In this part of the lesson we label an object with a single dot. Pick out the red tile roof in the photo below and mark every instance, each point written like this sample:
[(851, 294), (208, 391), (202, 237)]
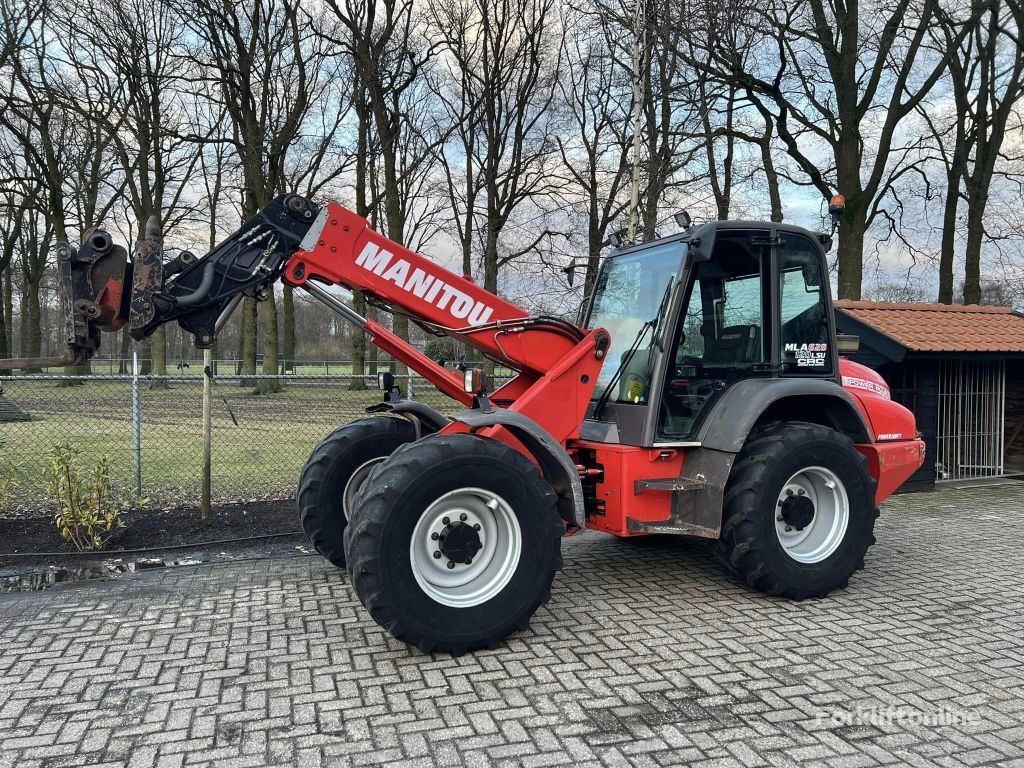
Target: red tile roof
[(942, 327)]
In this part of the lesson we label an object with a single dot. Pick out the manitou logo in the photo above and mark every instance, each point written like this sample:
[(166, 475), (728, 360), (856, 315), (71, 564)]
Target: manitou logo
[(431, 289)]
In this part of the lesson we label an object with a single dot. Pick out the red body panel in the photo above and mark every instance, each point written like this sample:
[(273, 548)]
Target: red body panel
[(892, 463), (557, 374), (897, 452), (887, 420), (623, 465)]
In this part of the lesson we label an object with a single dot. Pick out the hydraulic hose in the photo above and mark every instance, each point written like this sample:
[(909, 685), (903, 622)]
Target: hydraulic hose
[(191, 299)]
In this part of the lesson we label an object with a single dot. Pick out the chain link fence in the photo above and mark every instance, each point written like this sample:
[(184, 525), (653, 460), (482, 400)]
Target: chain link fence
[(260, 441)]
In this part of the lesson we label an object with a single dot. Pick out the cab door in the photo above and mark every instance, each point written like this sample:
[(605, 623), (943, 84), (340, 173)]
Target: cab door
[(724, 332), (804, 307)]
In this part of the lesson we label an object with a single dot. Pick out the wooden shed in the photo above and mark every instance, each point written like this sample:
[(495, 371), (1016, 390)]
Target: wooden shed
[(960, 369)]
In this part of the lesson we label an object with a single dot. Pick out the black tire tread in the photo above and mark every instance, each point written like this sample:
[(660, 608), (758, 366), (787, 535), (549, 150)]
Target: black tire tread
[(312, 514), (374, 504), (739, 547)]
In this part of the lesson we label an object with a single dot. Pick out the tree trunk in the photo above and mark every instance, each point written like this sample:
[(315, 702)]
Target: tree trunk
[(31, 317), (946, 254), (126, 345), (158, 354), (269, 386), (491, 273), (852, 228), (8, 310), (594, 244), (5, 349), (771, 177), (247, 334), (358, 346), (977, 201), (288, 327)]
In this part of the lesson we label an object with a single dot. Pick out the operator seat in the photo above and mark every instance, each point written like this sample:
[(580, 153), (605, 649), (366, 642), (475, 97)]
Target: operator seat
[(736, 344)]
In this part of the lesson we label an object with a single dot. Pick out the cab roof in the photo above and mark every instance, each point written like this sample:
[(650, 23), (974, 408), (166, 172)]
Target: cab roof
[(710, 227)]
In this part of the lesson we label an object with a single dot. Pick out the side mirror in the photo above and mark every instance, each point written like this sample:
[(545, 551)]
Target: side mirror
[(847, 343), (570, 272), (811, 274)]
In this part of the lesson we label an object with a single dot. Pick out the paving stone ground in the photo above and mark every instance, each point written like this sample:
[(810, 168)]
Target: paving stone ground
[(647, 654)]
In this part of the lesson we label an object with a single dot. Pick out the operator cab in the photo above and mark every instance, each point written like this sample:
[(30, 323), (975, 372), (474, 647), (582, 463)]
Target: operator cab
[(693, 314)]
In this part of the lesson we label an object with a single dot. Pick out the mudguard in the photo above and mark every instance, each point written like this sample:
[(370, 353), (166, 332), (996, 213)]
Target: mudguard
[(555, 464), (731, 418), (423, 417)]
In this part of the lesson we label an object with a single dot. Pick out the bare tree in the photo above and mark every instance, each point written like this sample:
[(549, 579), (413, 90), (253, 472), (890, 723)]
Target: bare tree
[(668, 132), (839, 77), (65, 165), (390, 53), (509, 55), (595, 147), (267, 67), (996, 72), (123, 53)]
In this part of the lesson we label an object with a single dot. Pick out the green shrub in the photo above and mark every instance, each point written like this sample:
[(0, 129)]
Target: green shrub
[(89, 510)]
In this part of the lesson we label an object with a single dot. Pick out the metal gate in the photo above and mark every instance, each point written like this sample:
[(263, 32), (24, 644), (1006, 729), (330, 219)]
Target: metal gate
[(971, 415)]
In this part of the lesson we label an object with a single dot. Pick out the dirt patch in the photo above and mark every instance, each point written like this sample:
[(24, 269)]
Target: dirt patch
[(29, 541)]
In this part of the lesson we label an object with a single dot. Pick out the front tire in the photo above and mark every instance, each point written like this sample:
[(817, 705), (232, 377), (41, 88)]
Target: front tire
[(336, 471), (799, 511), (455, 542)]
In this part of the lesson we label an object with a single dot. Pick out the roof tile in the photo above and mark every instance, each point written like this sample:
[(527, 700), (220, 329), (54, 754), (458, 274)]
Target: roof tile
[(942, 327)]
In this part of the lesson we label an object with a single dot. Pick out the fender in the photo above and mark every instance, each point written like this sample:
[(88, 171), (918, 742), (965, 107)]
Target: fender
[(730, 420), (423, 417), (556, 465)]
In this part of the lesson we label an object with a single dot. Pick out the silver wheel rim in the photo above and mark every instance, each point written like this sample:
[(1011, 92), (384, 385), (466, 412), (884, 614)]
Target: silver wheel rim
[(822, 536), (355, 482), (488, 571)]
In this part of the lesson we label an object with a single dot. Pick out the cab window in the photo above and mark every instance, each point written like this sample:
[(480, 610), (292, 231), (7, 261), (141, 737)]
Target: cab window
[(804, 337)]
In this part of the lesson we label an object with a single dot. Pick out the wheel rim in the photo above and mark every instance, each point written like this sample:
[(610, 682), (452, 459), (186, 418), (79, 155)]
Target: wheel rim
[(465, 547), (355, 482), (818, 492)]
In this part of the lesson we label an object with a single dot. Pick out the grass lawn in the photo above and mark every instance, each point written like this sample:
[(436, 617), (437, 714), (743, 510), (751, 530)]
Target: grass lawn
[(260, 442)]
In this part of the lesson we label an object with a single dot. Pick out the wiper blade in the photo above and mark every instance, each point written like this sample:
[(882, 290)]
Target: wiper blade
[(603, 400)]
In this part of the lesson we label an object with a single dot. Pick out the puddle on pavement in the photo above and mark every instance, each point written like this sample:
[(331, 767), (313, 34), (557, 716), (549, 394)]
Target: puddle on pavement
[(40, 578), (35, 580)]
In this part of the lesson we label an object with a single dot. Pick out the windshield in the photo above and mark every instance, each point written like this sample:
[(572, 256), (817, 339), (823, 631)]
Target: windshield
[(627, 298)]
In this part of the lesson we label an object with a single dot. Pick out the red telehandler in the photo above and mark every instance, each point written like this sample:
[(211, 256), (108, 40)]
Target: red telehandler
[(703, 394)]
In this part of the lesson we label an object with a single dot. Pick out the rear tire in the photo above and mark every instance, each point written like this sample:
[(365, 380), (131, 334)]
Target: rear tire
[(334, 473), (454, 543), (799, 511)]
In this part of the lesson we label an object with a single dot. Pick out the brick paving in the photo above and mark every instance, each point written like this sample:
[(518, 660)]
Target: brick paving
[(648, 654)]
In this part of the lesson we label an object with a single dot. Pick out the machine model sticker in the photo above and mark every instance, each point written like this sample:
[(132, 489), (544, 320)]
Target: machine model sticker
[(808, 355), (427, 287), (855, 382)]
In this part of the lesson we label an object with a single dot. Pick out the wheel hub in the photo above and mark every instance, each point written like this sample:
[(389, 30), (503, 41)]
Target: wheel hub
[(797, 511), (459, 542), (465, 547), (812, 515)]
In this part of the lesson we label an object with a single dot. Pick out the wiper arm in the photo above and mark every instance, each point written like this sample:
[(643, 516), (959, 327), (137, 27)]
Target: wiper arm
[(603, 400), (650, 325)]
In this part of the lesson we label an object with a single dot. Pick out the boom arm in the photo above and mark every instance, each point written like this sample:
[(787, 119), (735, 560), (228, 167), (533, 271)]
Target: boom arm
[(307, 246)]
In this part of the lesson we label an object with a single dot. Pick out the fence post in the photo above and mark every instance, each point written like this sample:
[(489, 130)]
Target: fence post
[(137, 425), (207, 430)]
